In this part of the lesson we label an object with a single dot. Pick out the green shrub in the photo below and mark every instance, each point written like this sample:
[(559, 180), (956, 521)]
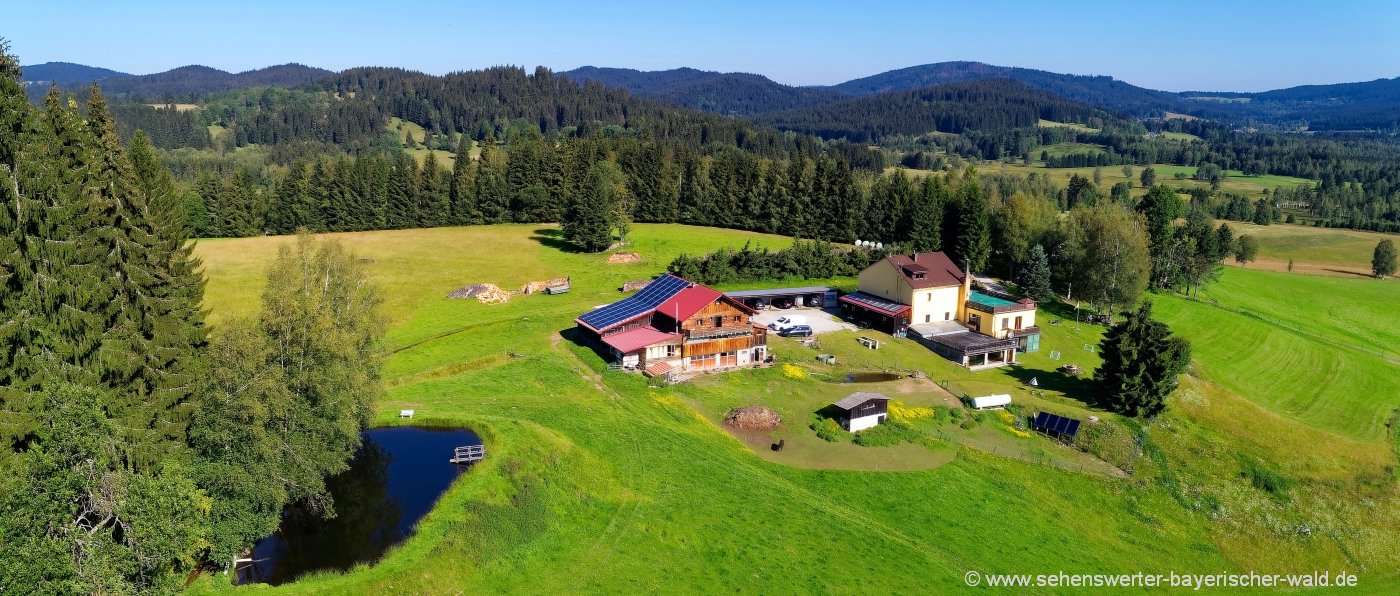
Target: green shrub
[(1263, 477), (828, 429), (1109, 442), (889, 433), (969, 424)]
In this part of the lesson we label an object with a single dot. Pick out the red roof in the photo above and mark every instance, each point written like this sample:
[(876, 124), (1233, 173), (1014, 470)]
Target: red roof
[(636, 339), (938, 270), (687, 302), (657, 369)]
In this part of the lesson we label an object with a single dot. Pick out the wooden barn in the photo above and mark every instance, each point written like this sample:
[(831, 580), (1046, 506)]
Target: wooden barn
[(862, 410), (675, 326)]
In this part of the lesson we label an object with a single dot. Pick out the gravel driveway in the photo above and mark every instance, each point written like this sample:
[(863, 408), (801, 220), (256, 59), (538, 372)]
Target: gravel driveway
[(821, 321)]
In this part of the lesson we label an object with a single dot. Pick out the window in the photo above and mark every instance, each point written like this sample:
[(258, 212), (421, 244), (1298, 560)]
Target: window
[(929, 297), (719, 321), (947, 316), (1005, 323), (1018, 323), (928, 318), (975, 320)]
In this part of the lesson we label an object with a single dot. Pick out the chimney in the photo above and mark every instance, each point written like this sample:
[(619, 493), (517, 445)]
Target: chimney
[(965, 292)]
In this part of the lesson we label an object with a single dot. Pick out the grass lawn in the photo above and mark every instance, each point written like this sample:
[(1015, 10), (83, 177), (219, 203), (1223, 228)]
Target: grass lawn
[(1110, 175), (1070, 125), (1062, 149), (1330, 250), (598, 483), (1180, 136)]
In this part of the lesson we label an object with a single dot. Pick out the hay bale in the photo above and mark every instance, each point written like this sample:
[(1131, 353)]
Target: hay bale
[(624, 257), (752, 418)]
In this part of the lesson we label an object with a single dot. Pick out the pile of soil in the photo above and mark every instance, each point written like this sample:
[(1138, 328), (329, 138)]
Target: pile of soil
[(624, 257), (635, 285), (752, 418), (483, 292)]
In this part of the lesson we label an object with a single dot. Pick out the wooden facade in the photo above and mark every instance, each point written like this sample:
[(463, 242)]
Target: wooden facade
[(715, 332)]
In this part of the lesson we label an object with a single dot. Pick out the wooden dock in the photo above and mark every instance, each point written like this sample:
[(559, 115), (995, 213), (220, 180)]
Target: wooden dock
[(468, 454)]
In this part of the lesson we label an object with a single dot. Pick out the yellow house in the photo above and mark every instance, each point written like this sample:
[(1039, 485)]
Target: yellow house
[(927, 297)]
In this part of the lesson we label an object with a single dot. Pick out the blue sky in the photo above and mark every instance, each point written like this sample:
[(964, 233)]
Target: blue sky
[(1180, 45)]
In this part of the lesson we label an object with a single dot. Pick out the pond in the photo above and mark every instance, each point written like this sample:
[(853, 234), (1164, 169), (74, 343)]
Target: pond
[(872, 377), (393, 481)]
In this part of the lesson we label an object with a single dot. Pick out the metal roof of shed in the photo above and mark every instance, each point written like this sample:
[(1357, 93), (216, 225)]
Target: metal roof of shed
[(859, 398)]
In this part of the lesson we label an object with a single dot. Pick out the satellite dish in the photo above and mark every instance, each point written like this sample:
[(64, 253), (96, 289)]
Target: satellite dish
[(1035, 382), (860, 242), (879, 245)]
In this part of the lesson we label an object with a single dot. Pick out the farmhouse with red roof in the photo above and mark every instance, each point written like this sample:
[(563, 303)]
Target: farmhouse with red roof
[(674, 326)]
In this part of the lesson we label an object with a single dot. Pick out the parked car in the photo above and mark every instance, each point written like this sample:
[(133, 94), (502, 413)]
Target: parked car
[(786, 321), (796, 331)]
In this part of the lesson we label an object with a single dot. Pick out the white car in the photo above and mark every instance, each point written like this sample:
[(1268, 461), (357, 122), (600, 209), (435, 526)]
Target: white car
[(787, 321)]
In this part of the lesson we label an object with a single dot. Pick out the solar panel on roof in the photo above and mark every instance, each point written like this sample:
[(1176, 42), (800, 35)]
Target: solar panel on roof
[(647, 299)]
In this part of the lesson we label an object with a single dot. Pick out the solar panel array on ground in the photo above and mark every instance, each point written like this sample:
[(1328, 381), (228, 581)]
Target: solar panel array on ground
[(1051, 423), (659, 290)]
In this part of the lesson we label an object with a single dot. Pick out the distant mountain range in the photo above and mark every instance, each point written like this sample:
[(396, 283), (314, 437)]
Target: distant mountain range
[(1374, 104), (67, 73), (1345, 106), (186, 82)]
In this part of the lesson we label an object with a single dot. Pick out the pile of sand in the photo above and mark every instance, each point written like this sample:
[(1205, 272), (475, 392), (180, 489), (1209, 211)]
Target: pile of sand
[(487, 293), (624, 257), (752, 418)]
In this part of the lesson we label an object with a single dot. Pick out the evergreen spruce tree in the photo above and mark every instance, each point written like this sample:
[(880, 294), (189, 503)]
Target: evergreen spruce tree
[(402, 208), (463, 189), (491, 197), (1141, 360), (926, 213), (1033, 279), (591, 217), (974, 241), (433, 202)]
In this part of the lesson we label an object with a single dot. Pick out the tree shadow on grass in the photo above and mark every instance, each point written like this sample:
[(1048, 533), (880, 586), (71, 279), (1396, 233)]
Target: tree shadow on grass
[(1063, 310), (1356, 273), (1081, 388), (554, 238)]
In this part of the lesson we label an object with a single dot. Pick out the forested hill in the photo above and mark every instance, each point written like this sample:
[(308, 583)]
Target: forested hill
[(506, 100), (1344, 106), (732, 93), (988, 106), (1103, 91), (189, 83), (66, 73)]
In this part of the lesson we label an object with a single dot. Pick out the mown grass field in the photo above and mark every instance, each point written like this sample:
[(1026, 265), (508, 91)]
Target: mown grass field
[(1321, 350), (598, 483), (1250, 186), (1062, 149), (1314, 250)]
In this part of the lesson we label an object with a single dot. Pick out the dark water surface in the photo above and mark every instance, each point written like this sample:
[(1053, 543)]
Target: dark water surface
[(872, 377), (393, 481)]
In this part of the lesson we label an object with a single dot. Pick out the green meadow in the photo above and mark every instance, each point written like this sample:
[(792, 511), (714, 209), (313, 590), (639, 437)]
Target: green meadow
[(597, 482)]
